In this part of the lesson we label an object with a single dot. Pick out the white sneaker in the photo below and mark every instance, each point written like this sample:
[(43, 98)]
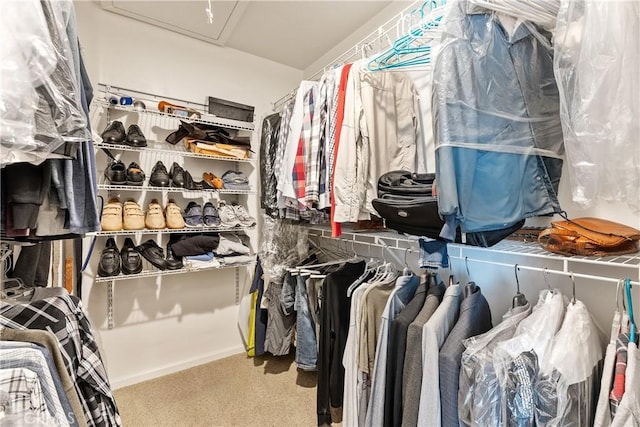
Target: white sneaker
[(243, 216), (228, 217)]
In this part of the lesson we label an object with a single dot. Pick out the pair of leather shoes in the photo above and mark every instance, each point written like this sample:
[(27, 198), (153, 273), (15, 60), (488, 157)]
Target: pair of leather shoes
[(116, 174), (115, 134), (159, 175), (113, 261), (152, 252)]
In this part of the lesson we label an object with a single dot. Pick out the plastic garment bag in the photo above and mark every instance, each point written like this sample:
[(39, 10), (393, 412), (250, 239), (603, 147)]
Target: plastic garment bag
[(496, 122), (517, 361), (27, 57), (40, 104), (596, 65), (479, 394), (283, 246), (569, 380)]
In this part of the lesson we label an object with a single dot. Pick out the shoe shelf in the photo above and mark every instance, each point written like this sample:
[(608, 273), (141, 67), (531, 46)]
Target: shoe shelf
[(110, 187), (155, 273), (178, 150), (202, 229), (151, 101)]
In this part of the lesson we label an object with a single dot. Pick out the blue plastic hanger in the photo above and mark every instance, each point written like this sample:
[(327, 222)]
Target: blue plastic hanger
[(633, 328)]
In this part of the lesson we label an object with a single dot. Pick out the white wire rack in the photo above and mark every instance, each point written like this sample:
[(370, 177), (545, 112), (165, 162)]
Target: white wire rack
[(169, 231), (155, 273), (151, 101), (166, 148), (629, 265), (110, 187)]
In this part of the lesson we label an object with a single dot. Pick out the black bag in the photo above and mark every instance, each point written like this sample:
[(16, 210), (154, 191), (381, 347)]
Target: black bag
[(406, 203)]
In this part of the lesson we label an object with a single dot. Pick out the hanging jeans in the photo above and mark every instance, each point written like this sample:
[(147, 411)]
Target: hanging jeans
[(306, 341)]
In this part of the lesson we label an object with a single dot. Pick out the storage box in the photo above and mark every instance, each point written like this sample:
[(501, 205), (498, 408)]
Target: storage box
[(229, 109)]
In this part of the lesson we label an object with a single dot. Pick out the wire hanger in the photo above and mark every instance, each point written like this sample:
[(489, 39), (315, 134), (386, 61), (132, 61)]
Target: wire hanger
[(573, 288), (546, 278), (519, 299), (471, 285), (633, 329)]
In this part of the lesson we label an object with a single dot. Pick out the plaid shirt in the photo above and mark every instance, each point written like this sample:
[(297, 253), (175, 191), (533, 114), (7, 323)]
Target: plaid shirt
[(21, 394), (304, 143), (332, 120), (64, 317), (29, 356), (315, 154)]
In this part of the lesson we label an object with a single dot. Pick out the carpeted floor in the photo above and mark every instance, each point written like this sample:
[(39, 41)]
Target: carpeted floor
[(236, 391)]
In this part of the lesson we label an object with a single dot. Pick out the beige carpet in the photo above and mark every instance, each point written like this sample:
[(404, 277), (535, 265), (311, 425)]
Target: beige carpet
[(236, 391)]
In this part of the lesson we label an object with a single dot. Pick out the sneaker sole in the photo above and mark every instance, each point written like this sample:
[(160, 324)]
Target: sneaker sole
[(103, 273), (136, 271)]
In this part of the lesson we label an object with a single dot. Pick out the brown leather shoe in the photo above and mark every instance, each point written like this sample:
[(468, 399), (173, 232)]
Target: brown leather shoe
[(212, 180)]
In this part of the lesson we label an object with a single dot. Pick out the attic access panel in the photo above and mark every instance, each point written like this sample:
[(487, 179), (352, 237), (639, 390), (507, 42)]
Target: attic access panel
[(184, 17)]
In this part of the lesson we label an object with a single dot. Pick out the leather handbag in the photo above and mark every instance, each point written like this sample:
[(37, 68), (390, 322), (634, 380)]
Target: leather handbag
[(406, 203), (590, 237)]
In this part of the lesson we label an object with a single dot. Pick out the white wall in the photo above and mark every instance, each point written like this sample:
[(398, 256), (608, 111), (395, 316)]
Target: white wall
[(169, 323)]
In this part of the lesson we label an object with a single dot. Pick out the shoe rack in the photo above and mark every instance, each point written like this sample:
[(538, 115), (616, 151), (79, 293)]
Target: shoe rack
[(156, 126)]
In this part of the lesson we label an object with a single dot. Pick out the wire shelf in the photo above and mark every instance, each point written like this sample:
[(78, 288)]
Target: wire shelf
[(109, 187), (206, 118), (202, 229), (178, 150), (393, 240), (156, 273)]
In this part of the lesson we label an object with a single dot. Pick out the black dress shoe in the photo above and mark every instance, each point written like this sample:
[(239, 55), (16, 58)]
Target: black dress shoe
[(173, 262), (109, 264), (177, 175), (116, 173), (190, 184), (135, 174), (131, 259), (159, 176), (114, 133), (152, 253), (135, 137)]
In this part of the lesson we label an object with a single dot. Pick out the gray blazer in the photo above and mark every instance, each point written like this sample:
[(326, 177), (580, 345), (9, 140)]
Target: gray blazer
[(474, 319)]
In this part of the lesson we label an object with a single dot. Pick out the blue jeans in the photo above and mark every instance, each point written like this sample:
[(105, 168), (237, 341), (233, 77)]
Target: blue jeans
[(306, 340)]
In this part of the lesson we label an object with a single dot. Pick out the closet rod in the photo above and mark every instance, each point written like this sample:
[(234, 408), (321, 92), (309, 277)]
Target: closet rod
[(375, 36), (542, 270), (378, 244)]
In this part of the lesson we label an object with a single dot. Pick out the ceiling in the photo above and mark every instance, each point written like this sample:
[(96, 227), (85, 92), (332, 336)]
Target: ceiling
[(293, 33)]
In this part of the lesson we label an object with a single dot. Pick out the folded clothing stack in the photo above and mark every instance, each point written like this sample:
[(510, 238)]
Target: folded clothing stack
[(235, 181), (212, 249)]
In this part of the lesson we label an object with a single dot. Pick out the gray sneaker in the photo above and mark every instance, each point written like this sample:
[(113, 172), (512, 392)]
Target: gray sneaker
[(243, 216), (227, 214), (210, 214), (193, 215)]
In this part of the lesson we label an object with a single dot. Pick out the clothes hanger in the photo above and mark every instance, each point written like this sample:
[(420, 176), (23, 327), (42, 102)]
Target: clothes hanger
[(13, 292), (404, 52), (617, 315), (471, 286), (546, 278), (633, 329), (573, 288), (519, 299)]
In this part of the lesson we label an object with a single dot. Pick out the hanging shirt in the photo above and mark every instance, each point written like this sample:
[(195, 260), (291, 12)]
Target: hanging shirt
[(336, 229), (315, 161), (402, 294), (333, 80), (352, 377), (628, 413), (434, 333), (304, 144)]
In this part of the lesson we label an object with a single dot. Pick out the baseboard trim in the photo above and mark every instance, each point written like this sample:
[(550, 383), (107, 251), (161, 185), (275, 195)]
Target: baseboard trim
[(170, 369)]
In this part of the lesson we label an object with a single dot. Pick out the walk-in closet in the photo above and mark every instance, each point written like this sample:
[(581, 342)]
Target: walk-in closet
[(299, 213)]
